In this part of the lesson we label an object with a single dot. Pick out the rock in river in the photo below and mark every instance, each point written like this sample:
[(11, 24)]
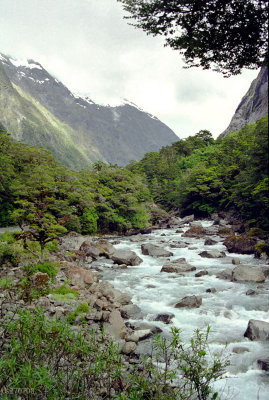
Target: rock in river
[(257, 330), (245, 273), (155, 251), (179, 265), (127, 257), (190, 302)]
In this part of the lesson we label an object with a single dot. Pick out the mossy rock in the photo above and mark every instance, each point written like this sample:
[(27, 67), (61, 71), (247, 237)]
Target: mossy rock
[(261, 248), (240, 244)]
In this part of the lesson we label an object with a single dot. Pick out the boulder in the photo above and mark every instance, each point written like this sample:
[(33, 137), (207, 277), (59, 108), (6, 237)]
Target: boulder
[(250, 292), (127, 257), (188, 219), (257, 330), (105, 247), (210, 242), (155, 251), (138, 335), (128, 348), (130, 311), (189, 302), (263, 364), (201, 273), (236, 261), (89, 249), (212, 254), (164, 317), (178, 245), (115, 326), (195, 231), (80, 277), (179, 265), (72, 241), (212, 230), (240, 244), (225, 274), (240, 349), (211, 290), (245, 273), (136, 238)]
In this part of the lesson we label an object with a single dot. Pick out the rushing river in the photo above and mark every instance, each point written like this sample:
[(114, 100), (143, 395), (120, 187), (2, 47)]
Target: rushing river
[(227, 311)]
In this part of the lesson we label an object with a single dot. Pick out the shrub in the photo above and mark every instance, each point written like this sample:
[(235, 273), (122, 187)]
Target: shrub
[(46, 267), (6, 283), (65, 293), (44, 359), (81, 309)]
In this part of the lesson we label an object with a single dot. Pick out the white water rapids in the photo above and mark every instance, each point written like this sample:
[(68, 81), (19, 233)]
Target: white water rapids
[(227, 311)]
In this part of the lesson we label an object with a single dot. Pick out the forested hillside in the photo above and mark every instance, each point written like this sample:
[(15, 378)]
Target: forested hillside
[(201, 175), (36, 187), (197, 175)]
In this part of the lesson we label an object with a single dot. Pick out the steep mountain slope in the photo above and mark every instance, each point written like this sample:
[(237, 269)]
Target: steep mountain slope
[(254, 104), (113, 134), (29, 122)]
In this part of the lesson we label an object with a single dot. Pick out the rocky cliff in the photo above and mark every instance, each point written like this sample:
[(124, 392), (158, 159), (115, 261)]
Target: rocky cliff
[(112, 134), (253, 105)]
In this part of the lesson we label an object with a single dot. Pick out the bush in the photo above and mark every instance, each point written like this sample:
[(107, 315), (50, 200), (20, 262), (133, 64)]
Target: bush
[(81, 309), (44, 359), (65, 293), (46, 267)]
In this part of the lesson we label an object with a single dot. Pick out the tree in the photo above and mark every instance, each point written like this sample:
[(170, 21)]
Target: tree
[(224, 35)]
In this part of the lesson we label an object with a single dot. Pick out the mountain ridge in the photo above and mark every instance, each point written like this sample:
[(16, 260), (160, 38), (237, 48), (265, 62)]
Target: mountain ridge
[(113, 134), (253, 106)]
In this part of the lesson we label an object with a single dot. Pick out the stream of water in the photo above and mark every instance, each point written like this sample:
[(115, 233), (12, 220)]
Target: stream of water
[(227, 311)]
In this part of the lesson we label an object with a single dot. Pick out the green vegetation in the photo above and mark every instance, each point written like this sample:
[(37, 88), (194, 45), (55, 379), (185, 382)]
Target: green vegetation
[(44, 359), (81, 309), (65, 293), (47, 200), (201, 175), (224, 35), (48, 268)]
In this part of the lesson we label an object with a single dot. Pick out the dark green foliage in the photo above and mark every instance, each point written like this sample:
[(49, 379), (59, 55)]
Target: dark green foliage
[(226, 35), (44, 359), (40, 193), (49, 268), (199, 175)]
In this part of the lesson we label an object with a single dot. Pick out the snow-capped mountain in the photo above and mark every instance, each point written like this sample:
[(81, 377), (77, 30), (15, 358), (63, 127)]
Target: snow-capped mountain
[(114, 134)]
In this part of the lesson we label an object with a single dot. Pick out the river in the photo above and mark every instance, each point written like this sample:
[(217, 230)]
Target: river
[(227, 311)]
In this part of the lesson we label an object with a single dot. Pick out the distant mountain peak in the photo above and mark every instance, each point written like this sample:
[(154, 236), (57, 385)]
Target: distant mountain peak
[(116, 134)]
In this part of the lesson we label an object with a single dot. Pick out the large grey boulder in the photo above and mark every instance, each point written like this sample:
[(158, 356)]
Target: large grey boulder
[(212, 254), (189, 302), (105, 247), (127, 257), (115, 326), (130, 311), (179, 265), (245, 273), (155, 251), (257, 330), (89, 249)]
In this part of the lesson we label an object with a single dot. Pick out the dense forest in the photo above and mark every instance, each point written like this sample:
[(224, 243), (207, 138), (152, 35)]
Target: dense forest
[(197, 175)]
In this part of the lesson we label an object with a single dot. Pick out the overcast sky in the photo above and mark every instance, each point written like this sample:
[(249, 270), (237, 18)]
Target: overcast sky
[(90, 47)]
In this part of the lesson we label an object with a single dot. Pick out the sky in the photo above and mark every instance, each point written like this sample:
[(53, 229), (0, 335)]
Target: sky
[(91, 49)]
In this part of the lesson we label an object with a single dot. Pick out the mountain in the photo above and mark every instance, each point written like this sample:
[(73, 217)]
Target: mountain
[(39, 110), (254, 104)]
